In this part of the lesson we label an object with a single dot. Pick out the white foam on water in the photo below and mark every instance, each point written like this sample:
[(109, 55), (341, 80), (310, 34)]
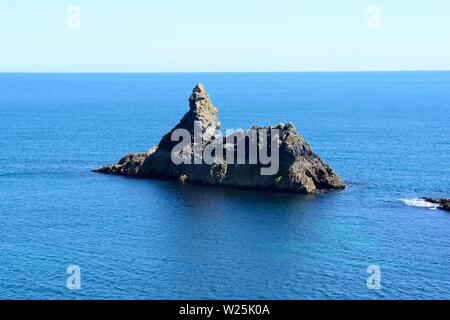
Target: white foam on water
[(420, 203)]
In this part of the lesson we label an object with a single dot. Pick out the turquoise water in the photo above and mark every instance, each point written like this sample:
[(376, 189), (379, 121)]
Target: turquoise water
[(386, 134)]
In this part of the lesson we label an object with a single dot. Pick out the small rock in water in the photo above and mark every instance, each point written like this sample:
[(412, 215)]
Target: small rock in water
[(443, 203)]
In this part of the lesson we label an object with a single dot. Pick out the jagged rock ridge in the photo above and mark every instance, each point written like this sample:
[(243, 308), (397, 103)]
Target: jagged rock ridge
[(300, 169)]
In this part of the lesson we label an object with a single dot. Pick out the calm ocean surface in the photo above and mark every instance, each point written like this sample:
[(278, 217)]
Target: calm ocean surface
[(386, 134)]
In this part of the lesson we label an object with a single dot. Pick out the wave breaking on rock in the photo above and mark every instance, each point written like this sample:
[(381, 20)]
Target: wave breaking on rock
[(430, 203)]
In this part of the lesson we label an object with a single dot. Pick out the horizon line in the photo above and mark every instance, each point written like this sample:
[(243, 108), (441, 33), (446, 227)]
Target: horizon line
[(187, 72)]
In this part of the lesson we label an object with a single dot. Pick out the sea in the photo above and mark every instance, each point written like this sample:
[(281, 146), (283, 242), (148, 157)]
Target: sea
[(387, 134)]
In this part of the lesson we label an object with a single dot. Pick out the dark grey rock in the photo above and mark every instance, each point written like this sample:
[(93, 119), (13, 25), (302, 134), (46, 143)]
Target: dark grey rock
[(300, 169), (443, 203)]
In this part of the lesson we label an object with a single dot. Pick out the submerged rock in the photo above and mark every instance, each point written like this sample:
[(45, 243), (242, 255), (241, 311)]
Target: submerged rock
[(299, 169), (443, 203)]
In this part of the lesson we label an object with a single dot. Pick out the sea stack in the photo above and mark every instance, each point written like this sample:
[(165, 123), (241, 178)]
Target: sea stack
[(299, 169)]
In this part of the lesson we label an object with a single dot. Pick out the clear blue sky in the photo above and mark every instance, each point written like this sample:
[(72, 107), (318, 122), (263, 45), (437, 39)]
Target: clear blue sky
[(223, 35)]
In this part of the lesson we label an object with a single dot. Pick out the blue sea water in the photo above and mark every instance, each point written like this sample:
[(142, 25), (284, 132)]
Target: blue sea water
[(386, 134)]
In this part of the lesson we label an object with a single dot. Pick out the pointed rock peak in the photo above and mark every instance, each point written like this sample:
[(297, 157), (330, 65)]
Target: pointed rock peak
[(200, 105), (199, 88), (201, 112), (199, 93)]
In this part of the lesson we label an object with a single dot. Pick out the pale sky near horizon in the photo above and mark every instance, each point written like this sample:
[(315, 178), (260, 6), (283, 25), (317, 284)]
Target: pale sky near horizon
[(231, 35)]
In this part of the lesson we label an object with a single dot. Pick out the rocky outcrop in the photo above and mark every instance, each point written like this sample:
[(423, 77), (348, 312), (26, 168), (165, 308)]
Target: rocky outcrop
[(443, 203), (300, 170)]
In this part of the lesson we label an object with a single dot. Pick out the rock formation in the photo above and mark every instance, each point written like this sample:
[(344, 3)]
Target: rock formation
[(300, 170), (443, 204)]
